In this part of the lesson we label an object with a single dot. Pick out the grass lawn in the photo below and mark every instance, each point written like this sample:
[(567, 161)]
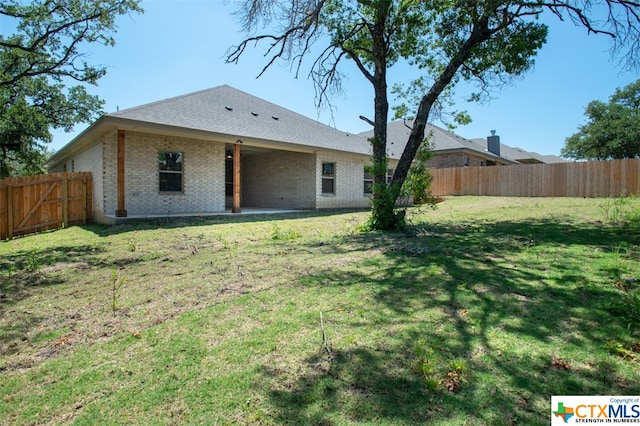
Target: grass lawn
[(477, 314)]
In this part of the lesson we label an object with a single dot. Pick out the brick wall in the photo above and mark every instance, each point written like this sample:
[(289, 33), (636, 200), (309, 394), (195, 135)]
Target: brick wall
[(349, 182), (91, 160), (278, 179), (109, 173), (271, 179), (203, 175), (444, 161)]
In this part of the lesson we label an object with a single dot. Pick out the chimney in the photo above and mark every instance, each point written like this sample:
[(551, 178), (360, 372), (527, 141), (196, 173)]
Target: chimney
[(493, 143)]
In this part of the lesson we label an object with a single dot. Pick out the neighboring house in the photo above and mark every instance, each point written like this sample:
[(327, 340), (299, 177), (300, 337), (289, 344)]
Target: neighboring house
[(215, 150), (520, 155), (450, 150)]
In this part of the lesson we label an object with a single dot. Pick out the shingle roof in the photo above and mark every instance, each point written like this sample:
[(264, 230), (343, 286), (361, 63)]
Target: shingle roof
[(550, 159), (225, 110), (506, 151), (442, 140), (518, 154)]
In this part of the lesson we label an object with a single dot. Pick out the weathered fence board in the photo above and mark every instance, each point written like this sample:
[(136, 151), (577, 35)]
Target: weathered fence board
[(612, 178), (38, 203)]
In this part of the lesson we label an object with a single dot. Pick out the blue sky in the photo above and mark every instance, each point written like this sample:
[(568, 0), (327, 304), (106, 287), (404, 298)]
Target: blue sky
[(177, 47)]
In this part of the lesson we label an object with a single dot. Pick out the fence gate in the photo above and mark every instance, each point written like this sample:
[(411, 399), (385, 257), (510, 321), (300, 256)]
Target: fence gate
[(37, 203)]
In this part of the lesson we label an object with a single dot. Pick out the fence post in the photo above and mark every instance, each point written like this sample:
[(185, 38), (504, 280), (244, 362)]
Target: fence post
[(9, 211), (84, 200), (65, 202)]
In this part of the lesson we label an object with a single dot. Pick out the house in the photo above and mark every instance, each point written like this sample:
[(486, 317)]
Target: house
[(216, 150), (451, 150), (522, 156), (222, 149)]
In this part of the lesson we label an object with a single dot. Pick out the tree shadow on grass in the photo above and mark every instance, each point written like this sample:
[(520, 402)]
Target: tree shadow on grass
[(192, 221), (23, 272), (492, 296)]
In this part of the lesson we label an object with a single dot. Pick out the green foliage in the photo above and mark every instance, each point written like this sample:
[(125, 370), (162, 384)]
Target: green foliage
[(117, 281), (612, 129), (278, 235), (33, 262), (384, 215), (437, 372), (623, 211), (625, 303), (444, 41), (37, 61), (419, 180), (505, 298)]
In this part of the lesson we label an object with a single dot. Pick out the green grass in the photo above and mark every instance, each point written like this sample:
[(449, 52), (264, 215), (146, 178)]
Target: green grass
[(477, 314)]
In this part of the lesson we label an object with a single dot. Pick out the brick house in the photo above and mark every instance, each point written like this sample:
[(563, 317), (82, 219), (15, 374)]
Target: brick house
[(451, 150), (212, 151)]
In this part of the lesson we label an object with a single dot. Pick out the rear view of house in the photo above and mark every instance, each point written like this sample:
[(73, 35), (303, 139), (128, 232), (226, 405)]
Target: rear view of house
[(215, 150)]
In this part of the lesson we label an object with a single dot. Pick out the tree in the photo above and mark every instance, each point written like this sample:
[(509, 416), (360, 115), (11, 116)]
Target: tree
[(613, 128), (38, 61), (446, 40)]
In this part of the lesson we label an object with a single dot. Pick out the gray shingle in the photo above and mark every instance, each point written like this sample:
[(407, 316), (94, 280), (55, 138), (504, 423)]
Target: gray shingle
[(442, 140), (229, 111)]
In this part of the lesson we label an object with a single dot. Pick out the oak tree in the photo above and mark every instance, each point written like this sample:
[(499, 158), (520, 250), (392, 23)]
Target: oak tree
[(447, 41), (44, 73), (613, 128)]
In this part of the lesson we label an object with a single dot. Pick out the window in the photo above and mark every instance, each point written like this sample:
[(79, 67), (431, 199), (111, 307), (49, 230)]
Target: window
[(368, 183), (328, 178), (170, 167)]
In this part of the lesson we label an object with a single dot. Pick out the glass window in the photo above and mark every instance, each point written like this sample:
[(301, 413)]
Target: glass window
[(328, 178), (389, 175), (368, 183), (170, 167)]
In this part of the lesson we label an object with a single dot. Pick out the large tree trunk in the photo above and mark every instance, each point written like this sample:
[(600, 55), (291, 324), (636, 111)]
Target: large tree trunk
[(383, 216), (384, 211)]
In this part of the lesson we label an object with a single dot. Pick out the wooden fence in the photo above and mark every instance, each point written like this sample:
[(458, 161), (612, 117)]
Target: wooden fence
[(586, 179), (38, 203)]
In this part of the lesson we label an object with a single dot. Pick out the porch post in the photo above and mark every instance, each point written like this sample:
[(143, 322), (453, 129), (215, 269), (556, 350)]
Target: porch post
[(236, 179), (120, 210)]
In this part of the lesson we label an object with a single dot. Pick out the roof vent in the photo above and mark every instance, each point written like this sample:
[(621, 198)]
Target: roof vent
[(255, 114), (228, 108), (275, 117)]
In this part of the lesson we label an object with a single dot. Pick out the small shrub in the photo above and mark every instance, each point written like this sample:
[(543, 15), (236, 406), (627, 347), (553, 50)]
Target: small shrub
[(279, 235), (618, 349), (117, 281), (623, 211), (626, 305), (427, 365), (612, 208), (437, 372), (33, 262)]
